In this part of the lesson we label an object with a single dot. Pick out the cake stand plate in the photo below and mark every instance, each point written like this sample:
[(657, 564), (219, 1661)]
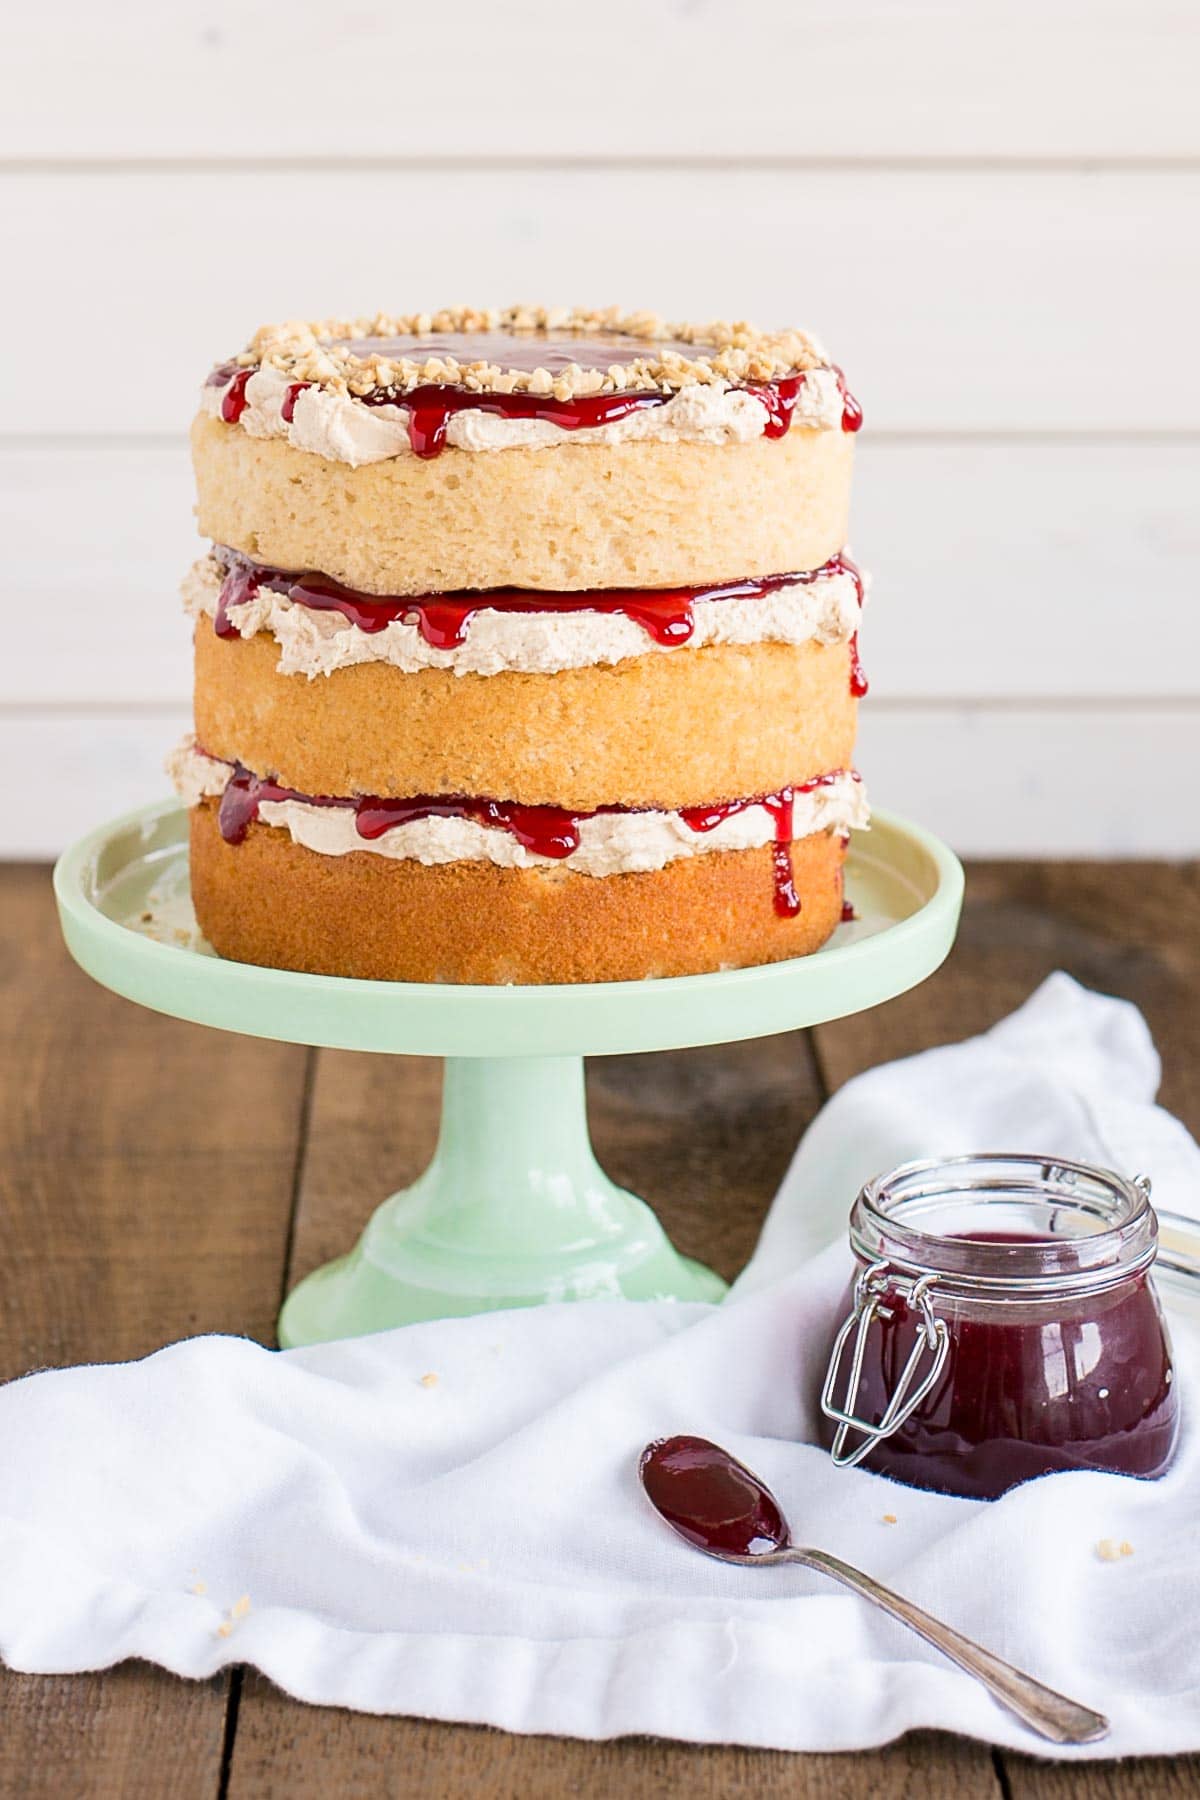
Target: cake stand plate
[(514, 1208)]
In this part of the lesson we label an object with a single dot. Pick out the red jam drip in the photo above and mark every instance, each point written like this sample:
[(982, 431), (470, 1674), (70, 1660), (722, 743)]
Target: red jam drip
[(782, 807), (710, 1498), (287, 409), (848, 913), (779, 397), (543, 830), (244, 794), (431, 408), (666, 614), (233, 403), (852, 414), (859, 685), (1087, 1388)]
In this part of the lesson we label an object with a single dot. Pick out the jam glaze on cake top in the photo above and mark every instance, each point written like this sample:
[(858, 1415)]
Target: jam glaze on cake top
[(523, 351), (574, 372)]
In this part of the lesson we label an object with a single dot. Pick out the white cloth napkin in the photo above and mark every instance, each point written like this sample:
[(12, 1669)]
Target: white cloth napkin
[(476, 1547)]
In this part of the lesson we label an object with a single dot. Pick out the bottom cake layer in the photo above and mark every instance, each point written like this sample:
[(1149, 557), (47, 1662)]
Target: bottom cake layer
[(272, 901)]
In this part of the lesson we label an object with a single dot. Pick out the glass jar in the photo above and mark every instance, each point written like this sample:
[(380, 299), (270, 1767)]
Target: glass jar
[(1003, 1325)]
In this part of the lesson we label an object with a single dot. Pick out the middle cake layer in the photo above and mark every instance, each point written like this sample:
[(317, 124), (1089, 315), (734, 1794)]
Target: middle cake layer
[(655, 731)]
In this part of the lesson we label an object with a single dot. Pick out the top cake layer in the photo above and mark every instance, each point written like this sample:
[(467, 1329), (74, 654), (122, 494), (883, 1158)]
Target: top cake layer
[(667, 454)]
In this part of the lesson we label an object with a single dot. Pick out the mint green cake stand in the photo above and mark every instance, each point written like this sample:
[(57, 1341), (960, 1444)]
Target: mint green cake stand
[(514, 1208)]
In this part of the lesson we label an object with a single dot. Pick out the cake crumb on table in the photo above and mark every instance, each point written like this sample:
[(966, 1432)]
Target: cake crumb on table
[(428, 1381), (237, 1611), (1109, 1550), (889, 1519)]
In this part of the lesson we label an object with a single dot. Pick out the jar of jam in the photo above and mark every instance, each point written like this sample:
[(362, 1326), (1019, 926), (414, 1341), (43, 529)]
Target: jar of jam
[(1002, 1325)]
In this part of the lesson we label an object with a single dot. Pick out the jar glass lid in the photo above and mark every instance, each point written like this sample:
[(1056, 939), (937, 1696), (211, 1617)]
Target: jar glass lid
[(1007, 1222)]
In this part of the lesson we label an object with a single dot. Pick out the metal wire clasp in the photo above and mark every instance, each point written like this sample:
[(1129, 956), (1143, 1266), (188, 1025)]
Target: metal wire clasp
[(933, 1339)]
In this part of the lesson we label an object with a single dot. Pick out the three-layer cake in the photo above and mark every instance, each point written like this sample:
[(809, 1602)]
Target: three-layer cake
[(526, 650)]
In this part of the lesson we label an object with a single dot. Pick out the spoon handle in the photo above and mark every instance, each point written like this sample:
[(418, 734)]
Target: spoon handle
[(1045, 1711)]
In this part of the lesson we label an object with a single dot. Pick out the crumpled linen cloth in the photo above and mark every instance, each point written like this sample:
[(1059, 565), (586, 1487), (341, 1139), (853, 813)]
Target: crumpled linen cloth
[(446, 1520)]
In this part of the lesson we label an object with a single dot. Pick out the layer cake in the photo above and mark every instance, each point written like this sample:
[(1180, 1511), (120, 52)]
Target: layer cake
[(526, 649)]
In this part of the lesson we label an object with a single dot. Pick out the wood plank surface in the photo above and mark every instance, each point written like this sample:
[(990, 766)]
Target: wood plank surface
[(1131, 929), (145, 1191), (956, 300), (728, 78), (283, 1755), (147, 1167), (1139, 1778)]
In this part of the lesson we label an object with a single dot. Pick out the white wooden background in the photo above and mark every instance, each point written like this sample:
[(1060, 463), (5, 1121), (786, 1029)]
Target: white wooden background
[(987, 207)]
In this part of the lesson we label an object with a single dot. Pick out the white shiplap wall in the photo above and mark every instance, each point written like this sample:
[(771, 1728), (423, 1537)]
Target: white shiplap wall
[(989, 210)]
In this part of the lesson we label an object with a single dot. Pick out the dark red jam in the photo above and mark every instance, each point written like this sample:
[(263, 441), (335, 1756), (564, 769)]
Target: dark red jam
[(432, 406), (859, 685), (430, 410), (233, 404), (544, 830), (852, 414), (665, 614), (287, 409), (1089, 1390), (782, 807), (848, 913), (1057, 1359), (710, 1498)]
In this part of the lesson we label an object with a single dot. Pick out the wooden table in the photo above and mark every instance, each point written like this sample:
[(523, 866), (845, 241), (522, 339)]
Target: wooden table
[(159, 1180)]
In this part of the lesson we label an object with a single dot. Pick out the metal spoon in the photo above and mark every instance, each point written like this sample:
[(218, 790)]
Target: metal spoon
[(720, 1507)]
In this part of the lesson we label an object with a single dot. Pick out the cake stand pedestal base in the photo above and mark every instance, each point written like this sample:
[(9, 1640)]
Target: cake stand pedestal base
[(514, 1210)]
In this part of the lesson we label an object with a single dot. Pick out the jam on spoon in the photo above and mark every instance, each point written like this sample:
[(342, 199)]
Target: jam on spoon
[(722, 1508)]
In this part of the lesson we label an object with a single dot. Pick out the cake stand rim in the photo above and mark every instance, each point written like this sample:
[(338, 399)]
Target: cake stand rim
[(447, 1019)]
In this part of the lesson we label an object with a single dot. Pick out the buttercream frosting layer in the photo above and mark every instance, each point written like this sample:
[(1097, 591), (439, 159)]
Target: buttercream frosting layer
[(340, 427), (610, 842), (823, 607)]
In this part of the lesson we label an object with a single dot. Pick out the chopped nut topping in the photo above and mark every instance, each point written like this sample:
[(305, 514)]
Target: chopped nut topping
[(726, 352)]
